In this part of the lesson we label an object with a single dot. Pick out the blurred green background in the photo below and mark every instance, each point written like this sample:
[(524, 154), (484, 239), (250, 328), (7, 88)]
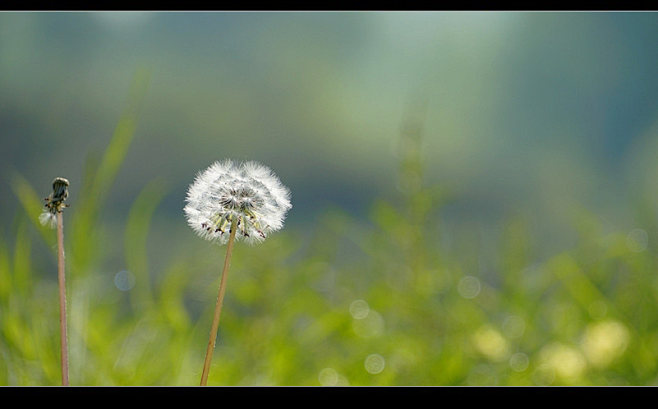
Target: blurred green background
[(474, 196)]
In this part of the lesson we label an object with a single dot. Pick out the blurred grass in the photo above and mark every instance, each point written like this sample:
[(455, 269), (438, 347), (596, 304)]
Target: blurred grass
[(378, 302)]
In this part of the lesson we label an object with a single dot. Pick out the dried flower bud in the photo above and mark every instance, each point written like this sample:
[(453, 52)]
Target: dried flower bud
[(55, 203)]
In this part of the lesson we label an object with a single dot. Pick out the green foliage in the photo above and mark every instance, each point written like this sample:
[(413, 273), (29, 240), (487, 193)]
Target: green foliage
[(386, 302)]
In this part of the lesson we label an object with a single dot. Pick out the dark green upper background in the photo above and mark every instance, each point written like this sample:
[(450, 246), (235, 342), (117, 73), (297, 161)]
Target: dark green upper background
[(528, 112)]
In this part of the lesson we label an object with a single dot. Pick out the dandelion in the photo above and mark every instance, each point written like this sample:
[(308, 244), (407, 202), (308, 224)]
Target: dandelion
[(228, 202), (248, 194), (51, 217)]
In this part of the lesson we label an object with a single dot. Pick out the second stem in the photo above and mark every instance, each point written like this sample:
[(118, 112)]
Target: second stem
[(62, 300)]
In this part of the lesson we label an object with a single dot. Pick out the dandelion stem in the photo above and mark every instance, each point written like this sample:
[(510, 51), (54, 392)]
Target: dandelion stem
[(218, 305), (62, 300)]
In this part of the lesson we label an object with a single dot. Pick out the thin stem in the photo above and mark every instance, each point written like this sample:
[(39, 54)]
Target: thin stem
[(218, 305), (62, 300)]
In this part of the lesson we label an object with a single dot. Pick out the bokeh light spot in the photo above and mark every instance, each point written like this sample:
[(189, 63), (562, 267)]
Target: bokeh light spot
[(637, 240), (567, 361), (519, 362), (490, 343), (375, 363), (469, 287), (124, 280), (605, 341), (328, 377), (359, 309)]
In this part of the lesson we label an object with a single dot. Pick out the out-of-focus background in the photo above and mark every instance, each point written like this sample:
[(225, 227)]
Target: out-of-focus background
[(547, 118)]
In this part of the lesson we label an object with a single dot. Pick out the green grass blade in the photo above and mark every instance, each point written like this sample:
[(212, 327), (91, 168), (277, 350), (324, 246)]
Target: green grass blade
[(135, 239)]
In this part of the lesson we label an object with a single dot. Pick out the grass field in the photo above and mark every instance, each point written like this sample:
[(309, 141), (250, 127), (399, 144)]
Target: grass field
[(384, 301)]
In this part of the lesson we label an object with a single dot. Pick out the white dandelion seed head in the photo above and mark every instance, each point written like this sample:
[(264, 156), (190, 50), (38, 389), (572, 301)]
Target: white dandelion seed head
[(48, 219), (248, 193)]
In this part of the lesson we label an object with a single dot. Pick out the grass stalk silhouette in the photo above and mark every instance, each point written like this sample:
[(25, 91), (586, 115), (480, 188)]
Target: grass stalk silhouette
[(52, 216), (62, 299)]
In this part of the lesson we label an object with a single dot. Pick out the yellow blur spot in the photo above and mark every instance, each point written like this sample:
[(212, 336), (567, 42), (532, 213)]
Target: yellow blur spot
[(491, 343), (568, 362), (605, 341)]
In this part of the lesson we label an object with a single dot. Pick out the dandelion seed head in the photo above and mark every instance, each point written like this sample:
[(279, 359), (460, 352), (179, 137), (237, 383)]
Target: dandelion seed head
[(48, 219), (247, 193)]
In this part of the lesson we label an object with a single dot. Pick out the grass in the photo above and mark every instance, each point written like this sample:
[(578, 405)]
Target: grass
[(379, 302)]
